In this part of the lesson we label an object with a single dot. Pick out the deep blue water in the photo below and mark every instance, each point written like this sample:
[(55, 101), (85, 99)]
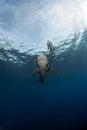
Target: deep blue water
[(58, 104)]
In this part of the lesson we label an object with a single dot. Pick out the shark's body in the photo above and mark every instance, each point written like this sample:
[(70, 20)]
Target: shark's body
[(42, 67)]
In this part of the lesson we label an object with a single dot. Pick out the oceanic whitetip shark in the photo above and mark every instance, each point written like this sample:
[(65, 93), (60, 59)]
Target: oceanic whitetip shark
[(42, 67)]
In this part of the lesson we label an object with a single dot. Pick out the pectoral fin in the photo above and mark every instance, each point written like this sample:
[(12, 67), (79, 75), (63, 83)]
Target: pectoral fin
[(33, 72), (50, 69)]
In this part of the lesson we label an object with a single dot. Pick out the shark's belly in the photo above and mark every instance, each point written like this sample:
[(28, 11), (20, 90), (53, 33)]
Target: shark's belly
[(42, 61)]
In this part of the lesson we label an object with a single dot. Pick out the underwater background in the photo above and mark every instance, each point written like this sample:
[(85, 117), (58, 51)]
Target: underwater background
[(59, 103)]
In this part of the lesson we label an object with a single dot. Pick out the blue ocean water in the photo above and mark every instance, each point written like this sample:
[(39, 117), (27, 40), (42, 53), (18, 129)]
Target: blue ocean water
[(58, 104)]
